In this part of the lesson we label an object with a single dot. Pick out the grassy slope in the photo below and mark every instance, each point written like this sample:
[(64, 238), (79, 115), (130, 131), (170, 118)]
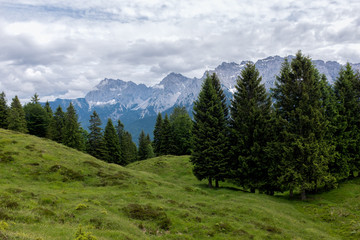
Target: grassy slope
[(48, 190)]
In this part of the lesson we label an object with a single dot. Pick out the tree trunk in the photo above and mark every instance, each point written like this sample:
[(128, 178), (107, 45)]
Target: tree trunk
[(210, 183), (252, 190), (291, 194), (303, 195), (216, 183)]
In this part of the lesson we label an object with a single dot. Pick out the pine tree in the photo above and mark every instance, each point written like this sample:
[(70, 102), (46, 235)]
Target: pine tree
[(4, 111), (210, 136), (37, 118), (298, 102), (95, 142), (112, 144), (250, 116), (56, 126), (167, 145), (181, 125), (16, 117), (157, 134), (348, 134), (127, 146), (143, 148), (71, 131)]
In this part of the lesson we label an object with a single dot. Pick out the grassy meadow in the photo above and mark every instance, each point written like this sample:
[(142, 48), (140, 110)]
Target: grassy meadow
[(49, 191)]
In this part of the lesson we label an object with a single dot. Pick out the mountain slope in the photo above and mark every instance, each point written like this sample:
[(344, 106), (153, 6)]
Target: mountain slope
[(48, 190)]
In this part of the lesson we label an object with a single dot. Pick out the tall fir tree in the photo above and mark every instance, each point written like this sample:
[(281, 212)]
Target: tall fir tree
[(167, 145), (250, 116), (4, 111), (56, 126), (71, 131), (210, 136), (16, 117), (181, 125), (142, 151), (348, 134), (37, 118), (157, 134), (298, 101), (112, 144), (128, 148), (95, 143)]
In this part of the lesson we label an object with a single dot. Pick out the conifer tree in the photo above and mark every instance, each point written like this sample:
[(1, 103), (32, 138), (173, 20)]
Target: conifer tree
[(143, 146), (4, 111), (157, 134), (112, 144), (95, 142), (166, 146), (71, 131), (181, 125), (210, 136), (16, 117), (56, 126), (127, 146), (348, 134), (250, 116), (37, 118), (305, 153)]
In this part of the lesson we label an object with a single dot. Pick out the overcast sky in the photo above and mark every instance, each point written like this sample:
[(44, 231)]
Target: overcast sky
[(64, 48)]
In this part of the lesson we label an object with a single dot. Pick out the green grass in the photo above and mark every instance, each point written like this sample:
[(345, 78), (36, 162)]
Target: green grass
[(48, 190)]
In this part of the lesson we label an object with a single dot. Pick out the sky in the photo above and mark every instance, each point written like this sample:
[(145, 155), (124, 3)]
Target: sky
[(63, 49)]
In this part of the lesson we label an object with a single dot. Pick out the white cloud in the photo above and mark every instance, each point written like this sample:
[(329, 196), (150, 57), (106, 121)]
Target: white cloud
[(64, 48)]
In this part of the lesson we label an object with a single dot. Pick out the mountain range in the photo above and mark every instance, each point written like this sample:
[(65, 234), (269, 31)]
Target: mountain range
[(137, 105)]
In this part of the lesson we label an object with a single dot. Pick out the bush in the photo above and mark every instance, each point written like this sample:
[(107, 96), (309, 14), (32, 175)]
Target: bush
[(81, 235)]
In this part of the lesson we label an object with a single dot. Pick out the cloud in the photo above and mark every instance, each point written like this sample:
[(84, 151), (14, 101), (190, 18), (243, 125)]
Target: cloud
[(65, 48)]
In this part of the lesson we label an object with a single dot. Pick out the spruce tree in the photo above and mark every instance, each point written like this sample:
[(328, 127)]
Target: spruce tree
[(210, 136), (348, 134), (167, 145), (16, 117), (37, 118), (143, 146), (181, 125), (56, 126), (127, 146), (4, 111), (298, 101), (95, 142), (71, 132), (112, 144), (157, 134), (250, 116)]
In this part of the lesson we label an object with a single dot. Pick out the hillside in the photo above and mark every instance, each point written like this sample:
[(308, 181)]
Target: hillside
[(48, 190)]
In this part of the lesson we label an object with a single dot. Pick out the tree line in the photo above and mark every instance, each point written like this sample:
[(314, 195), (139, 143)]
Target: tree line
[(304, 135), (113, 144)]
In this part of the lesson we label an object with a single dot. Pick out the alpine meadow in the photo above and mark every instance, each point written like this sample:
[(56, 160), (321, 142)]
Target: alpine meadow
[(278, 164)]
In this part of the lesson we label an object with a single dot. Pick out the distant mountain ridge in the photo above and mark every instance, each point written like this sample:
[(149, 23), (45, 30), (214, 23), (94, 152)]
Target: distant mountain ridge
[(137, 105)]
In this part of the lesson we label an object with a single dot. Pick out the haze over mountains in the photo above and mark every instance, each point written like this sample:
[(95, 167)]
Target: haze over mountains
[(137, 105)]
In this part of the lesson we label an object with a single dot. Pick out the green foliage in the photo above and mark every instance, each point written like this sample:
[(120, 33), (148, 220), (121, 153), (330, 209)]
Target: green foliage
[(305, 152), (71, 131), (56, 127), (81, 235), (210, 135), (95, 141), (16, 117), (250, 116), (145, 150), (4, 111), (37, 119), (127, 146), (347, 94), (157, 134), (181, 125), (112, 145), (166, 138)]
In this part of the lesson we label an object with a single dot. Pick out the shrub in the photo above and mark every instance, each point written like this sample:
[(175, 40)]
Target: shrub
[(81, 235), (81, 206)]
